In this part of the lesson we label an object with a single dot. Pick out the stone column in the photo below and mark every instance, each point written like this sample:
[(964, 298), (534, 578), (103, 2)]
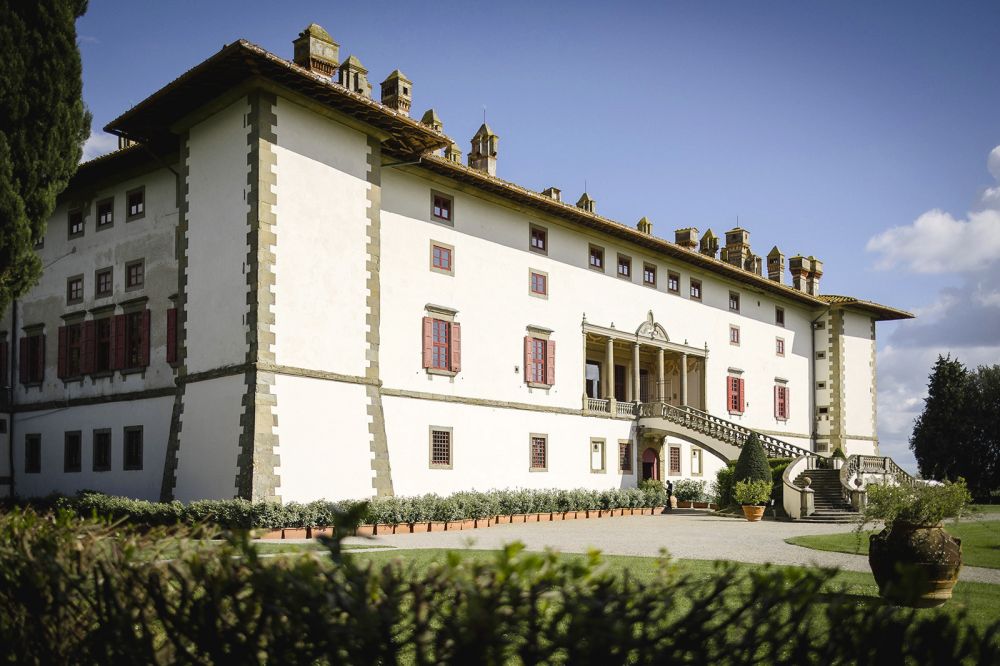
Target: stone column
[(704, 384), (585, 403), (684, 380), (609, 372), (636, 380), (661, 393)]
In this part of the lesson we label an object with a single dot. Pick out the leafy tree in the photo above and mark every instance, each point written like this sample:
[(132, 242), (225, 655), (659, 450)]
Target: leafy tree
[(941, 431), (980, 463), (43, 124), (752, 464)]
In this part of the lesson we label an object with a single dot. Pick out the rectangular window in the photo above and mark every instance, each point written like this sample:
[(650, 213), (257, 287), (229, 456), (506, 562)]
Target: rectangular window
[(734, 335), (440, 448), (734, 301), (625, 457), (102, 450), (695, 290), (674, 460), (75, 223), (820, 355), (779, 316), (593, 379), (696, 462), (172, 336), (442, 207), (624, 266), (539, 453), (31, 361), (70, 351), (734, 394), (824, 410), (536, 367), (779, 346), (538, 283), (673, 282), (441, 258), (72, 452), (32, 454), (74, 290), (135, 204), (136, 339), (102, 345), (441, 350), (539, 240), (649, 275), (597, 455), (820, 385), (135, 274), (133, 448), (781, 402), (104, 283), (597, 258), (105, 213)]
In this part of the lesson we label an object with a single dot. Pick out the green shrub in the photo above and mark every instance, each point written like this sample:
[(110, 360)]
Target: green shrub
[(838, 453), (722, 489), (920, 504), (689, 490), (752, 464), (752, 492), (778, 466), (75, 591)]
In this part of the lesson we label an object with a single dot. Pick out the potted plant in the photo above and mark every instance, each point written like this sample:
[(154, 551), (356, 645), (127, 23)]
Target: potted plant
[(837, 458), (753, 497), (914, 561)]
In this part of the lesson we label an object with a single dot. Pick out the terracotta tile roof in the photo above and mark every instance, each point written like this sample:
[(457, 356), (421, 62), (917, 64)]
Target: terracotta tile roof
[(881, 312)]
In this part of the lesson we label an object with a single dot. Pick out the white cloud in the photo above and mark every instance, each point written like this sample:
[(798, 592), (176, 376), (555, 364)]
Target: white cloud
[(97, 144), (993, 163), (938, 243)]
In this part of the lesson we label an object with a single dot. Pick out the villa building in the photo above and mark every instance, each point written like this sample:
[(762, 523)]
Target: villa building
[(282, 288)]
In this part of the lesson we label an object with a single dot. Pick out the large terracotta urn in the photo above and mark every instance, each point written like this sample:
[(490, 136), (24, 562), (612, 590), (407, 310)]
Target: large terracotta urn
[(915, 565), (753, 512)]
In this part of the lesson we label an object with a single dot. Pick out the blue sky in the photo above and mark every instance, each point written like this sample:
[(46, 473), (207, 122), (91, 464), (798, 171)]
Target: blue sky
[(829, 128)]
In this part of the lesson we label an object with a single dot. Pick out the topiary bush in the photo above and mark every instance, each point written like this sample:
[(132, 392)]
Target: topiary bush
[(722, 489), (752, 464)]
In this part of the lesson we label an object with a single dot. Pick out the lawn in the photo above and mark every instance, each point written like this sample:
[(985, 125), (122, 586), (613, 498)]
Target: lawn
[(980, 542), (276, 547), (979, 600)]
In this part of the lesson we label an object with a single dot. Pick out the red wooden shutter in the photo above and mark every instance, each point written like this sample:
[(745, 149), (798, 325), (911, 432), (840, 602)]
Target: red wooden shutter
[(731, 394), (172, 335), (788, 402), (144, 340), (40, 361), (456, 347), (428, 341), (61, 361), (4, 368), (742, 404), (527, 358), (118, 342), (87, 354), (550, 362), (777, 402), (22, 361)]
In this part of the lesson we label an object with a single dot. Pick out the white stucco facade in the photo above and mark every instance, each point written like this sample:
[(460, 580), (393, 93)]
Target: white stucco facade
[(292, 237)]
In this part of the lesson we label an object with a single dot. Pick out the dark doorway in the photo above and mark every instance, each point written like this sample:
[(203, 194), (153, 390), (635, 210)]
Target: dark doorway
[(620, 383), (594, 380), (650, 464)]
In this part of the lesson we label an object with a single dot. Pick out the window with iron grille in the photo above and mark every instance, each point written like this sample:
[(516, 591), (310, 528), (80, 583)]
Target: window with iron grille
[(72, 452), (104, 283), (441, 207), (624, 266), (675, 460), (75, 223), (440, 448), (673, 282), (135, 203), (105, 213), (102, 450), (539, 452), (133, 448), (539, 240), (625, 456)]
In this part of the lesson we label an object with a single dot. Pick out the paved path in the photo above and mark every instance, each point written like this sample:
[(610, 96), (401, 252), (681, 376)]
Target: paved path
[(686, 534)]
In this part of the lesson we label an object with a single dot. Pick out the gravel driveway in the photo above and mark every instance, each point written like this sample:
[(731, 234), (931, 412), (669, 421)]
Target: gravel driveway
[(686, 534)]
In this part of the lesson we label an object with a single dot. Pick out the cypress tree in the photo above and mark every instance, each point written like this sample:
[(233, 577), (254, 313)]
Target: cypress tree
[(752, 464), (941, 433), (43, 125)]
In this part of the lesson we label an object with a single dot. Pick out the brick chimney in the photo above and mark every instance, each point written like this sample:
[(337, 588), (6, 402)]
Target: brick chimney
[(315, 50), (800, 268), (775, 265), (686, 238), (397, 92), (354, 76), (812, 281), (738, 248)]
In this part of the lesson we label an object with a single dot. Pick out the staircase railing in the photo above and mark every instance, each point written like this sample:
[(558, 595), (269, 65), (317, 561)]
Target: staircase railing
[(716, 428), (856, 467)]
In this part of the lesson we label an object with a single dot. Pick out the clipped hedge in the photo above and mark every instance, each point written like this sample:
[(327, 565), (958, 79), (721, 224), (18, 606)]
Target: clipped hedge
[(79, 592), (242, 514)]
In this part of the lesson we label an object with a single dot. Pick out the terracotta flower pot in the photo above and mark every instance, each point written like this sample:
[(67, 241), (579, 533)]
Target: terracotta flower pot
[(701, 505), (531, 517), (383, 529), (569, 515), (483, 522), (915, 565), (673, 502), (365, 530), (453, 525), (503, 520), (469, 524), (294, 533), (436, 526), (519, 518), (317, 532), (272, 534), (753, 512)]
